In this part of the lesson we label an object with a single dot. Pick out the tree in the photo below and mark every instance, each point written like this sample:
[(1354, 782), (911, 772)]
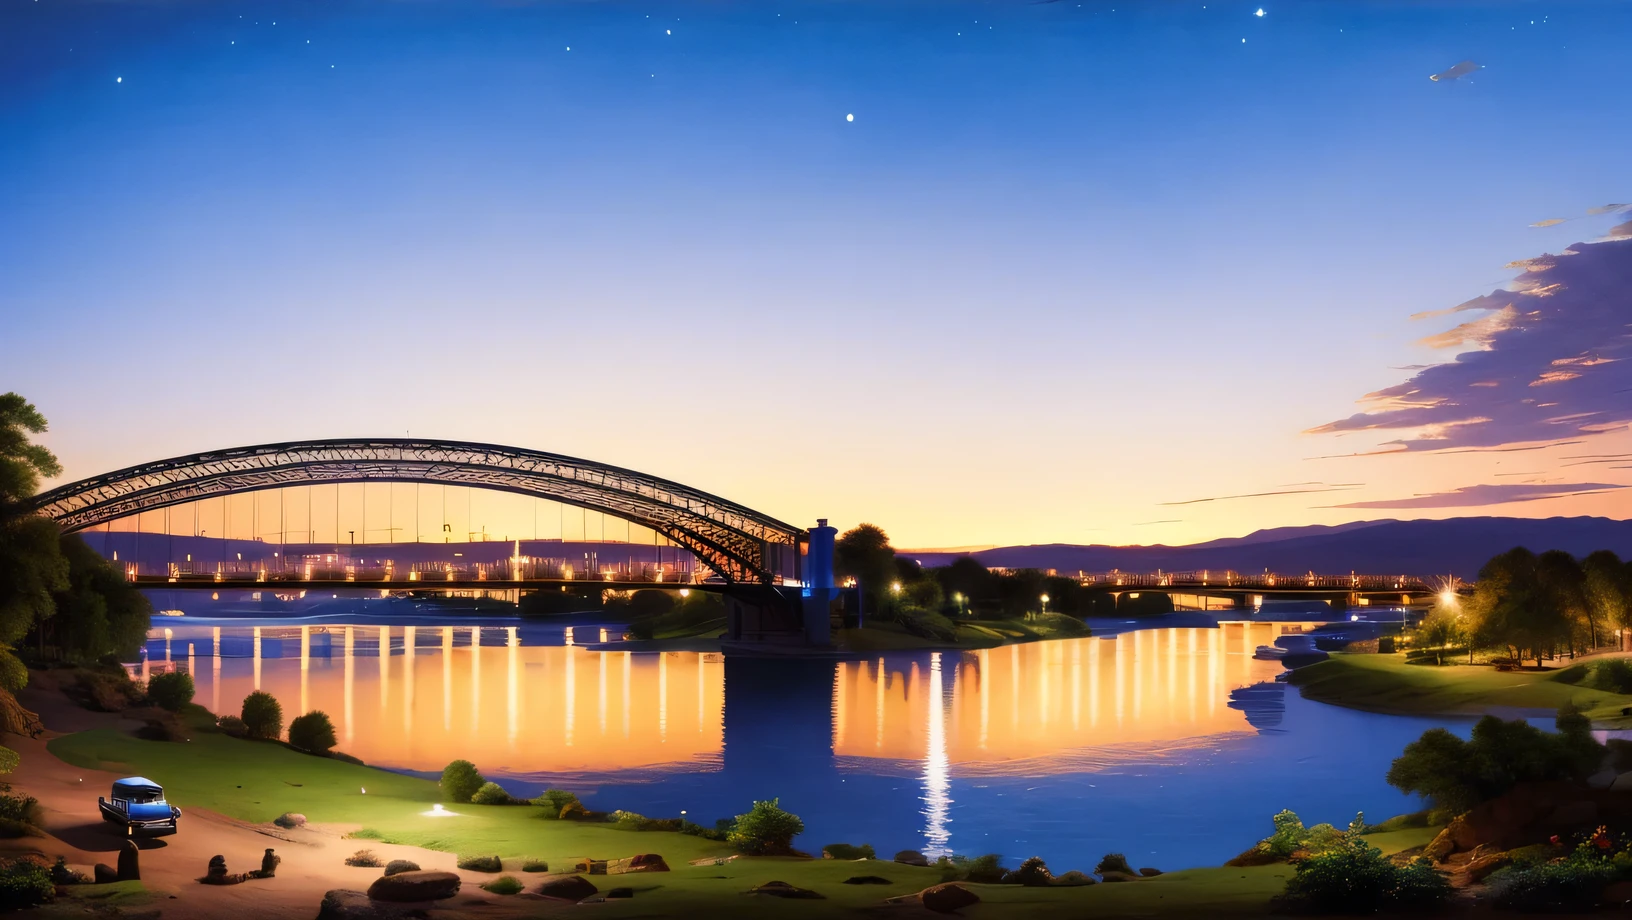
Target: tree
[(263, 716), (313, 733), (1563, 591), (1519, 603), (22, 464), (865, 554), (460, 781), (1604, 588), (1457, 775), (1442, 629), (766, 830), (98, 613)]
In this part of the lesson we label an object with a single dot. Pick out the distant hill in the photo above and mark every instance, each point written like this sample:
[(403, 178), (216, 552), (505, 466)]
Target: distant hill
[(1458, 546)]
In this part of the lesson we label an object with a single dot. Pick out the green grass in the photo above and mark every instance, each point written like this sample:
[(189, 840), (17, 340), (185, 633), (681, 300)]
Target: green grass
[(1386, 683), (256, 781)]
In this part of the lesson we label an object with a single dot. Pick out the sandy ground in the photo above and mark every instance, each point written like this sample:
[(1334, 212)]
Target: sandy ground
[(313, 856)]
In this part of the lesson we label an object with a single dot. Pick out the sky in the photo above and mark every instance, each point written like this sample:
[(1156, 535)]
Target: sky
[(979, 273)]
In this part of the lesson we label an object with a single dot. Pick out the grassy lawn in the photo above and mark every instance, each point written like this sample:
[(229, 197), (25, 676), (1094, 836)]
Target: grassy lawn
[(1386, 683), (257, 781)]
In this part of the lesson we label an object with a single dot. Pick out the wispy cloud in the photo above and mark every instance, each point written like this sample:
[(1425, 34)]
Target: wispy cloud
[(1473, 496), (1549, 362), (1322, 487)]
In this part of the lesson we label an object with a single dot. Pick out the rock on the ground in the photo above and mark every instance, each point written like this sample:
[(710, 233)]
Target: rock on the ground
[(645, 862), (290, 819), (1622, 783), (621, 893), (866, 880), (1481, 867), (1443, 845), (129, 862), (397, 866), (567, 888), (784, 890), (409, 887), (948, 898), (104, 874), (344, 904), (911, 858), (1074, 879), (1150, 873)]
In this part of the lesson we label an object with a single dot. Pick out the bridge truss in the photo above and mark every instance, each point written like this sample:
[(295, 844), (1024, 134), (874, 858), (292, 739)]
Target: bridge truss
[(738, 543)]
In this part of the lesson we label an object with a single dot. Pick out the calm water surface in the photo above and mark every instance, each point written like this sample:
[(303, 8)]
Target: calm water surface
[(1173, 746)]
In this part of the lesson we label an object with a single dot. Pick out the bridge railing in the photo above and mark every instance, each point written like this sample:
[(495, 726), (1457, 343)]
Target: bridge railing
[(338, 569), (1214, 578)]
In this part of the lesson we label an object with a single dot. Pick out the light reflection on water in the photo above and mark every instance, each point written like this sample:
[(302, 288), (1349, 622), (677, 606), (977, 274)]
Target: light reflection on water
[(1064, 749)]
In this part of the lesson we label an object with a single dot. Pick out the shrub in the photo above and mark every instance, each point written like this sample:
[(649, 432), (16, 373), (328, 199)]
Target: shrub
[(720, 830), (846, 851), (1400, 822), (22, 809), (1354, 877), (262, 716), (1116, 862), (313, 733), (62, 875), (1033, 873), (480, 864), (1567, 886), (23, 884), (642, 629), (534, 865), (553, 800), (766, 830), (986, 869), (401, 865), (504, 884), (460, 781), (1060, 624), (367, 833), (629, 821), (1457, 774), (232, 726), (171, 691), (491, 794), (364, 859)]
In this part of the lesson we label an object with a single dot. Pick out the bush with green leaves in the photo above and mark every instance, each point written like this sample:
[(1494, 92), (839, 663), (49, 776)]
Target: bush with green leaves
[(1456, 775), (460, 781), (20, 814), (553, 800), (313, 733), (1116, 862), (172, 690), (24, 884), (262, 716), (364, 859), (1355, 877), (491, 793), (480, 864), (720, 831), (533, 864), (987, 869), (766, 830), (628, 820), (232, 726), (848, 851), (505, 885), (1553, 887)]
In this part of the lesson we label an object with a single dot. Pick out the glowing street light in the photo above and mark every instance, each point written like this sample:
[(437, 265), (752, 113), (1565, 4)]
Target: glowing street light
[(895, 587)]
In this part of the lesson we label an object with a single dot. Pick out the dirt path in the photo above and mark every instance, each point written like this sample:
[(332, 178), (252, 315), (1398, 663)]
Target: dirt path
[(313, 856)]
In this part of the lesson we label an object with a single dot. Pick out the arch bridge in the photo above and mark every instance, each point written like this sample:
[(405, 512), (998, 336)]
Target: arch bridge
[(741, 545)]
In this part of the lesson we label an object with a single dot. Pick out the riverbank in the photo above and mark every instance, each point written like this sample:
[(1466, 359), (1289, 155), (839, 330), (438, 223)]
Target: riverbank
[(1389, 684), (230, 789)]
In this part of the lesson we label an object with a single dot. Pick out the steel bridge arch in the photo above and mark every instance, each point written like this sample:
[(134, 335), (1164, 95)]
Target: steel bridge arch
[(738, 543)]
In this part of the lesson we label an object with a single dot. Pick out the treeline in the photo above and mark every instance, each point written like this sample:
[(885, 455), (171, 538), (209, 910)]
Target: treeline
[(1538, 606), (59, 598), (894, 586)]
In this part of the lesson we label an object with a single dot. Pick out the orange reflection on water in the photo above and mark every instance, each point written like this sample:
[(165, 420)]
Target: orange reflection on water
[(476, 693), (1145, 690)]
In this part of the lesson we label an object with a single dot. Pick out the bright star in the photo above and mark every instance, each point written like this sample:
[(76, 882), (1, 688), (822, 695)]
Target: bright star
[(1260, 12), (118, 79), (849, 118), (668, 31)]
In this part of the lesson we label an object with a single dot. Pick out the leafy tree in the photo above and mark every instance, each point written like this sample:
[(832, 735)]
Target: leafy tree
[(22, 464), (313, 733), (766, 830), (1517, 603), (1442, 629), (460, 781), (865, 554), (99, 612), (171, 691), (1457, 775), (263, 716), (1605, 588)]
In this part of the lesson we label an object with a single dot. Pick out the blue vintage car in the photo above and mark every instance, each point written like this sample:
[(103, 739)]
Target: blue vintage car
[(138, 805)]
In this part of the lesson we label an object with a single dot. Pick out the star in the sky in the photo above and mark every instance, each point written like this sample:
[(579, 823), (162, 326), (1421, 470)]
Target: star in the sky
[(1260, 12)]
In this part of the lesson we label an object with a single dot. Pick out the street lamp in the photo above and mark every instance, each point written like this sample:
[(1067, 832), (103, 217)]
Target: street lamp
[(1045, 603), (895, 587)]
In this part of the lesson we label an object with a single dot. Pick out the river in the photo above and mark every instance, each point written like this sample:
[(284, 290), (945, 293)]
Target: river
[(1171, 745)]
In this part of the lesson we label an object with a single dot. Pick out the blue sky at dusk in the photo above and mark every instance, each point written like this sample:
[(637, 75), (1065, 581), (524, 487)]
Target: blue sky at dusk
[(1071, 269)]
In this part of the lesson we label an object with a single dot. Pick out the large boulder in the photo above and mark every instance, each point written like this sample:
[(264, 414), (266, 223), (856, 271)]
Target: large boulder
[(1481, 867), (398, 866), (412, 887), (1150, 873), (290, 820), (911, 858), (948, 898), (567, 888), (104, 874), (1530, 813), (344, 904), (784, 890), (645, 862)]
